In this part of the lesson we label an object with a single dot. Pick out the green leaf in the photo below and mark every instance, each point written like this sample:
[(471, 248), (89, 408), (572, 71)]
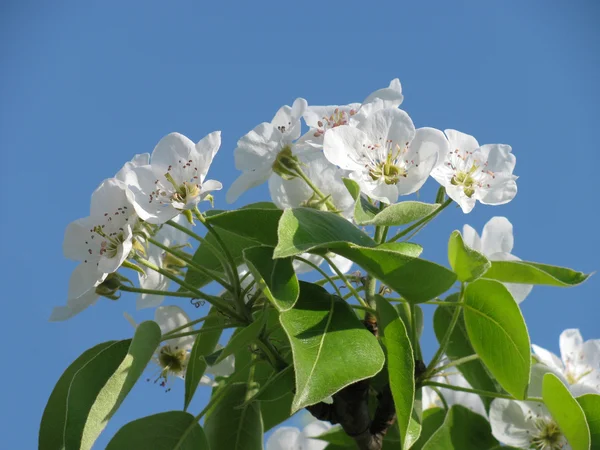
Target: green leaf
[(163, 431), (257, 224), (566, 411), (242, 338), (462, 430), (401, 363), (51, 434), (533, 273), (303, 229), (459, 346), (228, 427), (417, 280), (403, 309), (276, 277), (337, 436), (433, 418), (93, 387), (278, 385), (590, 403), (466, 263), (498, 333), (204, 345), (363, 210), (318, 327), (412, 434)]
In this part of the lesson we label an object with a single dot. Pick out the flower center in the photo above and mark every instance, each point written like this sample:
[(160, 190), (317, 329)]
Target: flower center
[(549, 436), (285, 163), (109, 246), (172, 361), (386, 163), (334, 120), (469, 173)]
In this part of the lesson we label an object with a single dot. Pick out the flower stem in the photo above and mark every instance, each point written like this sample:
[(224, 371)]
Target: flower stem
[(219, 303), (154, 291), (348, 284), (166, 337), (187, 325), (423, 221), (456, 362), (307, 180), (322, 272), (190, 262), (478, 391), (446, 339), (415, 333)]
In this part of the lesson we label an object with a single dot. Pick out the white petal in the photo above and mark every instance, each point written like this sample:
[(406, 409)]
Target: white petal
[(111, 264), (457, 194), (429, 140), (142, 183), (206, 149), (497, 236), (343, 264), (344, 146), (571, 346), (311, 430), (246, 181), (153, 279), (461, 141), (171, 317), (391, 96), (78, 243), (499, 157), (224, 368), (503, 188), (591, 352), (301, 267), (538, 371), (142, 159), (389, 124), (111, 195), (78, 298), (287, 120), (258, 148), (288, 193), (84, 278), (209, 186), (471, 237), (510, 424), (284, 438), (423, 152), (387, 193), (171, 155)]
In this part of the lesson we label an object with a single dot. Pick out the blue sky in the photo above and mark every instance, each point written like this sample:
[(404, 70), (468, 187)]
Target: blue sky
[(86, 85)]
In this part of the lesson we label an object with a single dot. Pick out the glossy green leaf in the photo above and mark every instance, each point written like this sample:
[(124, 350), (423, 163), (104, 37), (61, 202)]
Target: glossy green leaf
[(204, 345), (257, 224), (242, 338), (498, 334), (363, 210), (433, 418), (462, 430), (278, 385), (276, 277), (228, 427), (459, 346), (85, 399), (318, 327), (303, 229), (590, 403), (163, 431), (466, 263), (403, 309), (412, 434), (566, 411), (51, 434), (417, 280), (401, 363), (534, 273)]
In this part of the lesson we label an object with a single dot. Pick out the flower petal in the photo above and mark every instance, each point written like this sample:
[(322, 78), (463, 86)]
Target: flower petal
[(518, 291), (461, 141), (246, 181), (499, 157), (510, 424), (344, 146), (284, 438), (571, 346), (171, 155), (457, 194), (205, 151), (170, 317), (139, 160), (502, 189), (343, 264), (471, 237), (497, 236), (389, 124), (391, 96), (258, 148)]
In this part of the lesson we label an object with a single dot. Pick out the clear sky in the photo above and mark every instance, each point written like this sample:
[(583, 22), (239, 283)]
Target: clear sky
[(86, 85)]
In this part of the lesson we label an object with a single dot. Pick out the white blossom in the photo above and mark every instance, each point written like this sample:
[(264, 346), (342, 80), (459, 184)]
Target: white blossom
[(257, 152), (496, 243), (384, 153), (470, 172), (175, 178), (579, 364), (292, 438)]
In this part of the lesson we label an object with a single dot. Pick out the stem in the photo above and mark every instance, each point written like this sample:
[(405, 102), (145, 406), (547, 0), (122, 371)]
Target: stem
[(479, 392), (215, 301), (446, 339), (154, 291), (202, 330), (322, 272), (328, 202), (364, 308), (322, 281), (440, 396), (347, 296), (190, 262), (348, 284), (424, 220), (456, 362)]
